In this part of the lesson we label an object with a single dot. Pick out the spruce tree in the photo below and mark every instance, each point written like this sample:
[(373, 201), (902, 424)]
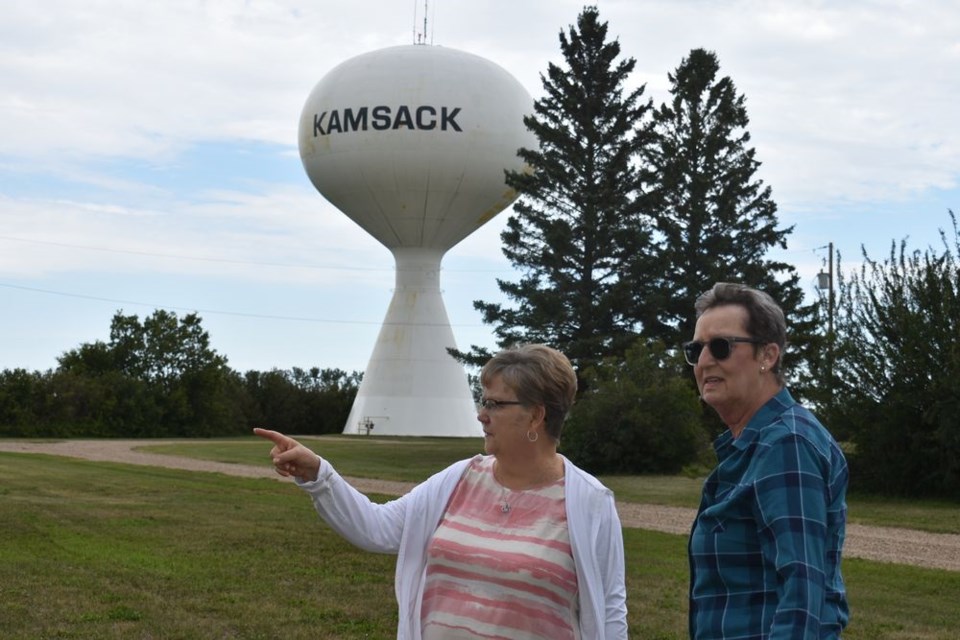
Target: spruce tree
[(714, 220), (577, 229)]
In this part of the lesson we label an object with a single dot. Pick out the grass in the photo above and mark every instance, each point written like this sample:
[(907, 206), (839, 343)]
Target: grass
[(414, 459), (388, 458), (95, 550)]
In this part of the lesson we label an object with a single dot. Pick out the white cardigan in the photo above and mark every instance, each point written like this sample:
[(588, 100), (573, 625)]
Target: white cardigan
[(404, 526)]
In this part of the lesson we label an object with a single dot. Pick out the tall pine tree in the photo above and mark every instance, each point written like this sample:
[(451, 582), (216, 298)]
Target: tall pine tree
[(714, 220), (578, 226)]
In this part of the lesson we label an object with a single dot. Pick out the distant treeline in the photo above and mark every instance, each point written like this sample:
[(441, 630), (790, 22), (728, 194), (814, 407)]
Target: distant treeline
[(160, 378)]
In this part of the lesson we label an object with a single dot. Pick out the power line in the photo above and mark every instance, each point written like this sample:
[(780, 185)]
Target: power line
[(226, 260), (197, 258), (241, 314)]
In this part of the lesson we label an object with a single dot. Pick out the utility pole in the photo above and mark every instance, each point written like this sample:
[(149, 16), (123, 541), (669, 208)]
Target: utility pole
[(825, 281), (830, 298)]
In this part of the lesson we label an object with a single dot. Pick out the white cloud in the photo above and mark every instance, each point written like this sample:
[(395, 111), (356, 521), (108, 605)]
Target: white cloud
[(851, 81)]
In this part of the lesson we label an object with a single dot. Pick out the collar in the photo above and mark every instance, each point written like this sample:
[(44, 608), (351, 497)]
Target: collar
[(767, 414)]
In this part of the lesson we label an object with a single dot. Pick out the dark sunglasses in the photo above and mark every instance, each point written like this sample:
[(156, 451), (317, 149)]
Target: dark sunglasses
[(719, 347)]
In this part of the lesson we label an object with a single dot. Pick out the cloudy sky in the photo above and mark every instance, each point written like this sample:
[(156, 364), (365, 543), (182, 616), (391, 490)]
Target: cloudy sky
[(149, 152)]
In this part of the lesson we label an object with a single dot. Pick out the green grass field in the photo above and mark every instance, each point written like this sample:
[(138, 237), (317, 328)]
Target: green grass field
[(413, 459), (94, 550)]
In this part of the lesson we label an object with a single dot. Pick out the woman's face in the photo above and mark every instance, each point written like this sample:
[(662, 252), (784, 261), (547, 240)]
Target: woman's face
[(504, 427), (731, 386)]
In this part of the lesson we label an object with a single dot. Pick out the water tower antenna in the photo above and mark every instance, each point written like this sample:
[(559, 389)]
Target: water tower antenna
[(421, 38)]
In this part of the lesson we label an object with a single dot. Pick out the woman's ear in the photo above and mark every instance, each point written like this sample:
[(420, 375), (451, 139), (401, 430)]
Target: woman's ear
[(539, 414), (771, 355)]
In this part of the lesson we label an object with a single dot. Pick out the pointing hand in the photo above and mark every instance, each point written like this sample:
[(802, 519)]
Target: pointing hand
[(290, 458)]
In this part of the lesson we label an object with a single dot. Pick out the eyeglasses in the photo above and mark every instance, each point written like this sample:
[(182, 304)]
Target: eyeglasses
[(719, 347), (493, 405)]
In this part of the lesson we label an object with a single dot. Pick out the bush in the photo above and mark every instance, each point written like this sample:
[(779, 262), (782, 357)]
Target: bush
[(898, 371), (638, 415)]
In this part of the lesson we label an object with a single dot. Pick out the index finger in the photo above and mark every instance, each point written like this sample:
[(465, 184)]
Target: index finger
[(274, 436)]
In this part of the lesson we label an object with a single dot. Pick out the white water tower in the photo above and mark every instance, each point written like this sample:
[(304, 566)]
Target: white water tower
[(411, 142)]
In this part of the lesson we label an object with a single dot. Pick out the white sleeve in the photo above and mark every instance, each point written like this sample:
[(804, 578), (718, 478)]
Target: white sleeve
[(366, 524)]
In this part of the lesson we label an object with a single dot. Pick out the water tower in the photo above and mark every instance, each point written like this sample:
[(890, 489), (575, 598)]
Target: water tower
[(411, 142)]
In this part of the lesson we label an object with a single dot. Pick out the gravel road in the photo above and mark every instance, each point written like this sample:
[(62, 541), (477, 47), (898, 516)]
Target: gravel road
[(883, 544)]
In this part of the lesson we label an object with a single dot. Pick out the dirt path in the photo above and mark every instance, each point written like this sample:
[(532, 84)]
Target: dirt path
[(883, 544)]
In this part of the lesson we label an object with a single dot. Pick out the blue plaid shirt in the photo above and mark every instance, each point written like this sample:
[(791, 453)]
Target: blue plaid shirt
[(765, 546)]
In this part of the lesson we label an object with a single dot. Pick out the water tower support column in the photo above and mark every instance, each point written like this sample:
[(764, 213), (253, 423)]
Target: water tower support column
[(412, 386)]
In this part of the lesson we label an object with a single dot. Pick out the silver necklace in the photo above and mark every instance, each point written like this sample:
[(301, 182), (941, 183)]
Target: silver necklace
[(505, 491), (504, 505)]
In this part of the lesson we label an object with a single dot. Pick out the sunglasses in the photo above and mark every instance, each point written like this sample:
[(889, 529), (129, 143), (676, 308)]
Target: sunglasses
[(721, 348)]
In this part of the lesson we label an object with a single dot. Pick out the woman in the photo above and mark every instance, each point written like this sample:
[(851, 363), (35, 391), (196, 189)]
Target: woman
[(518, 543), (765, 546)]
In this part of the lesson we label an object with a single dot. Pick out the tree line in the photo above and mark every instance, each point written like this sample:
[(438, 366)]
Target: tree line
[(159, 377)]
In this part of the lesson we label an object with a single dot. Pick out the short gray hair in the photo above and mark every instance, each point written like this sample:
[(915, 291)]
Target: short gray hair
[(765, 319)]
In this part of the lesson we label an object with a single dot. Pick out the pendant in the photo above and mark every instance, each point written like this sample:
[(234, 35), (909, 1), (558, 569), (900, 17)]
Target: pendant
[(504, 508)]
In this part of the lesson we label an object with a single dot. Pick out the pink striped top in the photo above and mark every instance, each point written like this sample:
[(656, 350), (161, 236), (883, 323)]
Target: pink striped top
[(500, 565)]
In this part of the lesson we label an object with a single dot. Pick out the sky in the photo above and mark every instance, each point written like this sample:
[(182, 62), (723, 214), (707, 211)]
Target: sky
[(148, 153)]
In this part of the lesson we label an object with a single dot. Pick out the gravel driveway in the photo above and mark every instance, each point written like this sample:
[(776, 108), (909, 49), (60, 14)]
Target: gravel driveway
[(883, 544)]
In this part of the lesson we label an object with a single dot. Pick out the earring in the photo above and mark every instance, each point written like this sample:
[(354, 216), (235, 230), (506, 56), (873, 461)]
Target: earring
[(762, 368), (536, 436)]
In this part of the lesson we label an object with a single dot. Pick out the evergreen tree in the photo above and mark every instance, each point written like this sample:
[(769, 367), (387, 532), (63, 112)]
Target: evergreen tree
[(714, 220), (578, 225)]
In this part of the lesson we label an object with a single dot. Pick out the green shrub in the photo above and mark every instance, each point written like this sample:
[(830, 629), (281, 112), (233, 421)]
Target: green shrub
[(637, 415)]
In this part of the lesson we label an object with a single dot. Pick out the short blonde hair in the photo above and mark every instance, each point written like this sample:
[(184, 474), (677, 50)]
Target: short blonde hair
[(539, 375)]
